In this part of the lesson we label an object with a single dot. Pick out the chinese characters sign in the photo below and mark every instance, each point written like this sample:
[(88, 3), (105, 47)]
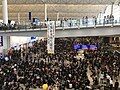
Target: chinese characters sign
[(50, 36)]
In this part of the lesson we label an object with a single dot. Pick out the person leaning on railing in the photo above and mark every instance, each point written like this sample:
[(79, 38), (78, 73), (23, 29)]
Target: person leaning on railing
[(111, 19)]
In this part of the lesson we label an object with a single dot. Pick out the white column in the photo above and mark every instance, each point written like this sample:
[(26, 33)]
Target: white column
[(112, 8), (5, 11), (58, 16), (18, 18), (6, 43), (119, 14), (45, 12), (100, 17)]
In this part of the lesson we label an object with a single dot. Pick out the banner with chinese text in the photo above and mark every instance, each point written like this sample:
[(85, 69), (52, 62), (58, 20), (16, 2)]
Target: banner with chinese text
[(50, 36)]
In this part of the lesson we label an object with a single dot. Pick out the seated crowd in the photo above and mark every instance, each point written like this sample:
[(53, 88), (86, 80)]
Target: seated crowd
[(31, 67)]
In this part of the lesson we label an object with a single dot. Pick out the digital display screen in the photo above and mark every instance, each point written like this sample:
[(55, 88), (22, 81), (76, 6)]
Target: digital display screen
[(93, 47), (77, 46), (85, 47)]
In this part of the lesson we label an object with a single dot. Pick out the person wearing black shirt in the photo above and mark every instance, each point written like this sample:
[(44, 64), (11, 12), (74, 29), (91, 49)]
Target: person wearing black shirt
[(116, 86)]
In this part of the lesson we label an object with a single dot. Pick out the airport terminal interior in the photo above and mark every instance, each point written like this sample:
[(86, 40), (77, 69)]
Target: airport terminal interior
[(59, 44)]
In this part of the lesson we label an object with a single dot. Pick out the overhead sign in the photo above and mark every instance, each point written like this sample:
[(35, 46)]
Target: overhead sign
[(50, 36)]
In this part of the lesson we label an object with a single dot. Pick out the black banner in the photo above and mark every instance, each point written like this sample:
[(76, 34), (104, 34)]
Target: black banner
[(30, 16), (1, 41)]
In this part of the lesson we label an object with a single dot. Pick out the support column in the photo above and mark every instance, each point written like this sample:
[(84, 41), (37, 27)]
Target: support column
[(112, 8), (6, 43), (100, 17), (5, 11), (18, 18), (58, 16), (111, 19), (45, 12)]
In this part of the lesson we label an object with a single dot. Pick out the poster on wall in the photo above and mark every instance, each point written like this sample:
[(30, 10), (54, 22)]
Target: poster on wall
[(1, 41), (50, 36)]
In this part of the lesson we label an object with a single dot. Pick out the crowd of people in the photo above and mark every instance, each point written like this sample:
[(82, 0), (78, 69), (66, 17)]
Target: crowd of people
[(109, 19), (7, 27), (31, 67), (85, 21)]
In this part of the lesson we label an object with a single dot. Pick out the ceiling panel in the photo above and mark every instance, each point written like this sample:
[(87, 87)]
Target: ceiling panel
[(66, 8), (60, 1)]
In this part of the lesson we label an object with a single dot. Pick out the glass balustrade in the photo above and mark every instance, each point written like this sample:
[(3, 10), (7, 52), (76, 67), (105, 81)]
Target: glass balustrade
[(62, 24)]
